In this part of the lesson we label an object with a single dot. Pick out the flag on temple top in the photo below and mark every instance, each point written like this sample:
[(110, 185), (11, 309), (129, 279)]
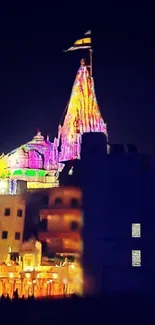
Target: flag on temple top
[(82, 43)]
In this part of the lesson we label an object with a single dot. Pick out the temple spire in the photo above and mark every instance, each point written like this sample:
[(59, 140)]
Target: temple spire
[(82, 116)]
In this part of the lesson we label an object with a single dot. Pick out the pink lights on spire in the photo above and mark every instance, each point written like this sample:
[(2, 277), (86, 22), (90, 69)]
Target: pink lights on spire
[(83, 115)]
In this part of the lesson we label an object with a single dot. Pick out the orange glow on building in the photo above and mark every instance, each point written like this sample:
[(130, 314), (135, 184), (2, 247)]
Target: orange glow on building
[(35, 273)]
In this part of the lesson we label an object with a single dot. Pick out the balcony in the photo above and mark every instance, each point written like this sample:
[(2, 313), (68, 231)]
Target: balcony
[(60, 243)]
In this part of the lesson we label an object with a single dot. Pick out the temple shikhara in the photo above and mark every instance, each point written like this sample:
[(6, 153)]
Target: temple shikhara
[(36, 165), (83, 115)]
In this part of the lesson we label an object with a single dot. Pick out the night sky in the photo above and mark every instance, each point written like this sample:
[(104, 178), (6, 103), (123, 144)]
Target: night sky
[(36, 77)]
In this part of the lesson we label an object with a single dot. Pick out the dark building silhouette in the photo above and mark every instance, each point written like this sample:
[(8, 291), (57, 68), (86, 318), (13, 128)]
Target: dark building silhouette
[(119, 210)]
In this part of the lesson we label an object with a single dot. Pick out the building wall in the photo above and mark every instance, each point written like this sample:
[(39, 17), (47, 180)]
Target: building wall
[(121, 201), (61, 223), (148, 227), (118, 190), (12, 223)]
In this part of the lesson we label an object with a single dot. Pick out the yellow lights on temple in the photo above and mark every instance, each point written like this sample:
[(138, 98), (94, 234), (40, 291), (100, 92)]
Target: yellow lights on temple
[(28, 268), (136, 258), (35, 185), (55, 276), (65, 281), (136, 230), (72, 266), (27, 275), (11, 275), (3, 164)]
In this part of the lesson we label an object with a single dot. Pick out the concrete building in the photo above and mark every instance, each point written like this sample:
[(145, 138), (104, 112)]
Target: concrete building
[(119, 207), (61, 223), (12, 217)]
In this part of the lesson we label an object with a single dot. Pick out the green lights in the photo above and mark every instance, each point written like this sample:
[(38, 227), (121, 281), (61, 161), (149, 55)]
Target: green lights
[(18, 172), (29, 172), (42, 172)]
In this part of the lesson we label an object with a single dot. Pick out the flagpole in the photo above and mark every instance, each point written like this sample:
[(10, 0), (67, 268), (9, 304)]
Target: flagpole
[(91, 61)]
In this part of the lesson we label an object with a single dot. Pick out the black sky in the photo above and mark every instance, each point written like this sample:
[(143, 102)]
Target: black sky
[(36, 76)]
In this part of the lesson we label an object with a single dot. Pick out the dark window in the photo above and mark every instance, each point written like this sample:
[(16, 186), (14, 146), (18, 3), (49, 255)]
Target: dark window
[(14, 256), (7, 212), (44, 201), (17, 235), (19, 213), (58, 200), (74, 203), (43, 225), (44, 249), (74, 226), (4, 234)]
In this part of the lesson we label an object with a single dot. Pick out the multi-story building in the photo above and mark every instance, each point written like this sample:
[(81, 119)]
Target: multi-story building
[(61, 223), (61, 231), (12, 218), (119, 208)]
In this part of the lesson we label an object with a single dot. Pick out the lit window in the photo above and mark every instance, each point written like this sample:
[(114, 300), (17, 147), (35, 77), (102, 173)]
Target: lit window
[(136, 230), (136, 258), (70, 171)]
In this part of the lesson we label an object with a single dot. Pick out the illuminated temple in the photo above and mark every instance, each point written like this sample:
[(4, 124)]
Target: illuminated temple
[(83, 116), (35, 165), (39, 161)]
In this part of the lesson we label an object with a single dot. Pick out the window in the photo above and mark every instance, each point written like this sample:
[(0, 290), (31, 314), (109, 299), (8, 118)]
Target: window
[(74, 226), (17, 235), (19, 213), (58, 200), (44, 201), (136, 230), (43, 225), (136, 258), (4, 234), (7, 212), (74, 203), (44, 249)]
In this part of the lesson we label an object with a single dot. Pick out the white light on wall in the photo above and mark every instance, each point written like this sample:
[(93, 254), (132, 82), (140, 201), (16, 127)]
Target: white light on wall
[(10, 275), (4, 186), (27, 275), (136, 230), (136, 258), (70, 171), (55, 276)]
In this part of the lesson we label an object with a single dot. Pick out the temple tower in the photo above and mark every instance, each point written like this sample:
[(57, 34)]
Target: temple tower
[(83, 115)]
